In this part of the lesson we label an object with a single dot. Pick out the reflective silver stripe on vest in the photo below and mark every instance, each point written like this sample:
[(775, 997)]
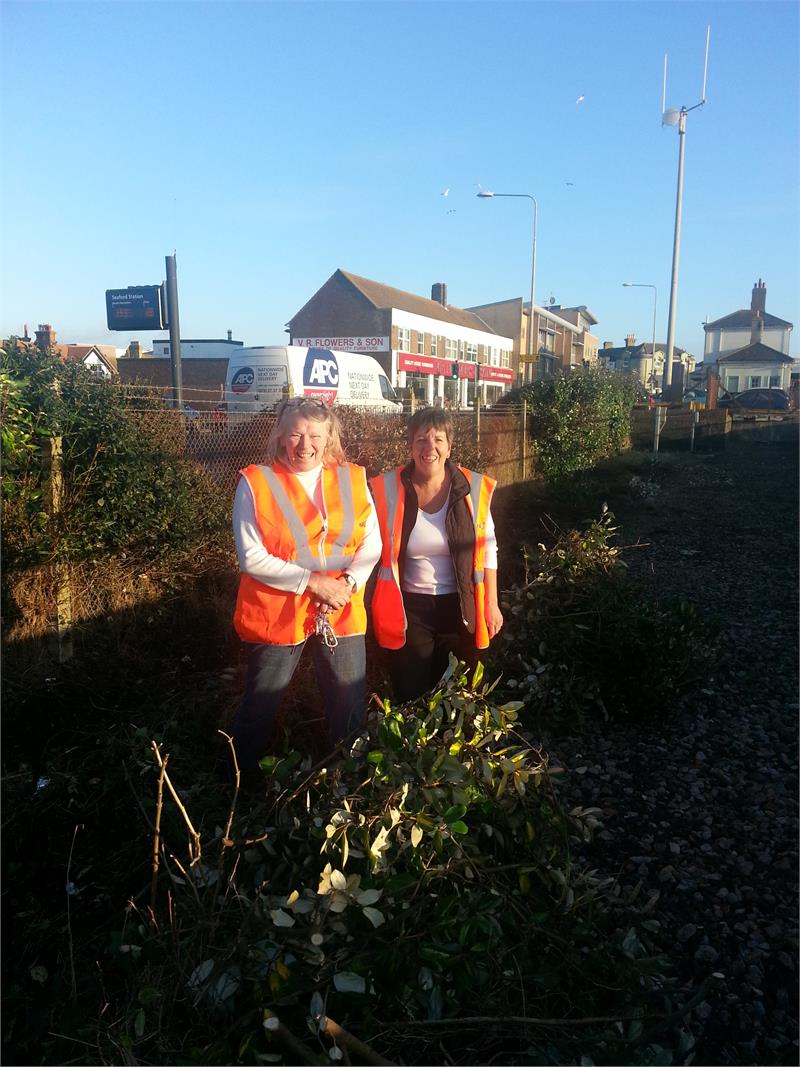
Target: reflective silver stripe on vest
[(348, 508), (475, 481), (304, 556), (390, 480)]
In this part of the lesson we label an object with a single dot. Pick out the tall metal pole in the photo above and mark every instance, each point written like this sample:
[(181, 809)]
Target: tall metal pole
[(533, 275), (647, 285), (486, 194), (174, 331), (676, 251)]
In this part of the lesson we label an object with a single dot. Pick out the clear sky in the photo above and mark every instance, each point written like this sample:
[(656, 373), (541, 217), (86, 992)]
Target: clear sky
[(268, 144)]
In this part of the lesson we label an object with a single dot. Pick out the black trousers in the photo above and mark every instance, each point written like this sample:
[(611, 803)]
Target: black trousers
[(435, 629)]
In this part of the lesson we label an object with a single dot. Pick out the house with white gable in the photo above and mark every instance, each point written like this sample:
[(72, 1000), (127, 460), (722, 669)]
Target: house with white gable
[(750, 348)]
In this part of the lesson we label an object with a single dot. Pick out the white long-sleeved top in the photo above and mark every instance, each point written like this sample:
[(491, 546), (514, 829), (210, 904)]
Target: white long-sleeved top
[(282, 574)]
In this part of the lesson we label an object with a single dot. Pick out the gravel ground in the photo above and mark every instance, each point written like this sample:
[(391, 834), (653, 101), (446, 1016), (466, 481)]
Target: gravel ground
[(700, 809)]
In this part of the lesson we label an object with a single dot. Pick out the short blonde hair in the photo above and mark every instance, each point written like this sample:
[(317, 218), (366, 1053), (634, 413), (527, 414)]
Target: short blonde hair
[(307, 407)]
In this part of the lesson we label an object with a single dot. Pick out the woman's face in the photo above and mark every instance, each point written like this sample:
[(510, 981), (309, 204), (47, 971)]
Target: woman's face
[(429, 450), (304, 442)]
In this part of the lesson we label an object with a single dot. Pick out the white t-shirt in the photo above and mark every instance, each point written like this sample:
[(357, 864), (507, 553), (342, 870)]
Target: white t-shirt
[(284, 574), (428, 567)]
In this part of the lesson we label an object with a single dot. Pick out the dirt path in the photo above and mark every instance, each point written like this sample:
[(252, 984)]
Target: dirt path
[(700, 808)]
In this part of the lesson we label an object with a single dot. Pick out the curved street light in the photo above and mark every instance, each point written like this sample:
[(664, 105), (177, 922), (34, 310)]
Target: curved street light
[(645, 285), (486, 194)]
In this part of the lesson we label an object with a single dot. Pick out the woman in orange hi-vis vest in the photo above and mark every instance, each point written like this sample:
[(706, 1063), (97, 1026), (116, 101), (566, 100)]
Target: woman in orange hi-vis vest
[(436, 591), (307, 539)]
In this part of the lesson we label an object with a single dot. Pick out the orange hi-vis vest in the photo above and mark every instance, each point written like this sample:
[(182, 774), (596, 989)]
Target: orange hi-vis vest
[(388, 613), (293, 529)]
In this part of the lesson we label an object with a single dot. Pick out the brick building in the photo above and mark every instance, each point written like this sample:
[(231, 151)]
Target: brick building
[(416, 340)]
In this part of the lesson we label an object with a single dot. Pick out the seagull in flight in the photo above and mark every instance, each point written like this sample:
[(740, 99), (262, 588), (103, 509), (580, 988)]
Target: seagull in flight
[(580, 99), (446, 193)]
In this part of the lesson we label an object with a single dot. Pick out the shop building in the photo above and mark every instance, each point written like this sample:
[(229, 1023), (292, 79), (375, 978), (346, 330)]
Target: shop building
[(443, 352)]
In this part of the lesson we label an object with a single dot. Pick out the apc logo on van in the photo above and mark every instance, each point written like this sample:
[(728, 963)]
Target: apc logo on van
[(321, 373), (242, 380)]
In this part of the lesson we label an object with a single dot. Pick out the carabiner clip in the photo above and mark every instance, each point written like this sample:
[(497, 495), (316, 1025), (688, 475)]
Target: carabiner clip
[(324, 631)]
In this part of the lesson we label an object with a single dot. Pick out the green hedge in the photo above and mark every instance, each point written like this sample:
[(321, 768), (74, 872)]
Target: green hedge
[(127, 488), (578, 419)]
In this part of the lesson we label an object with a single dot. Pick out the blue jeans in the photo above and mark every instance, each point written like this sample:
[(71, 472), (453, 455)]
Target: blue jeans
[(341, 678)]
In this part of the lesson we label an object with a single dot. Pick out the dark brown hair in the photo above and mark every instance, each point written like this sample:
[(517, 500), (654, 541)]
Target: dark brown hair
[(430, 419)]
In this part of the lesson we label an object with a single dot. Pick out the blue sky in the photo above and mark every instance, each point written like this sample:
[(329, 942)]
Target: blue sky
[(270, 143)]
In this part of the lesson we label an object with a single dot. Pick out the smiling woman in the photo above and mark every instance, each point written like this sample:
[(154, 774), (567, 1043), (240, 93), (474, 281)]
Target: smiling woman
[(437, 584), (307, 539)]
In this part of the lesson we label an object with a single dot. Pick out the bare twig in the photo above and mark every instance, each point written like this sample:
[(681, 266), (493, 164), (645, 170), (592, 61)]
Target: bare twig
[(195, 849), (157, 832), (300, 1051), (526, 1020), (343, 1037), (73, 982)]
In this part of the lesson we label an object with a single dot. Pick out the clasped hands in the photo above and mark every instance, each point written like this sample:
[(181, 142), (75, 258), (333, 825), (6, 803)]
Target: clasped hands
[(328, 594)]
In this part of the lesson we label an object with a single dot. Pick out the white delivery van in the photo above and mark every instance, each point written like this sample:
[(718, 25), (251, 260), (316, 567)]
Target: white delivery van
[(259, 378)]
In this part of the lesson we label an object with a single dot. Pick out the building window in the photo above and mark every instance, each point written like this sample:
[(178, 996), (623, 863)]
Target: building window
[(403, 339), (434, 344), (450, 349), (472, 352), (420, 343), (505, 357), (547, 338), (774, 381), (754, 381), (732, 383)]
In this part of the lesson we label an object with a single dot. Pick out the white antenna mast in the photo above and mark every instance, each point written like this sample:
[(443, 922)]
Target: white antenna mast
[(705, 67), (677, 117)]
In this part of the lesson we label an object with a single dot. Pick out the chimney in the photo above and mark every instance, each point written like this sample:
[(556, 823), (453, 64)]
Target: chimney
[(608, 344), (135, 350), (439, 293), (757, 326), (26, 336), (758, 301), (230, 335), (630, 340), (45, 336)]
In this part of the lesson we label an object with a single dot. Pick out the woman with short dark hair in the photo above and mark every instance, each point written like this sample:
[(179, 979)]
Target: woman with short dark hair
[(437, 584)]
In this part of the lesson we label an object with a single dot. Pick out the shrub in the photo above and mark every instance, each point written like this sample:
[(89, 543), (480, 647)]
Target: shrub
[(126, 485), (426, 872), (577, 419), (580, 639)]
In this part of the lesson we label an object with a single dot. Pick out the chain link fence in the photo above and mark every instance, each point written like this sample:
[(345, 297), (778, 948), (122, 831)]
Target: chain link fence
[(222, 444)]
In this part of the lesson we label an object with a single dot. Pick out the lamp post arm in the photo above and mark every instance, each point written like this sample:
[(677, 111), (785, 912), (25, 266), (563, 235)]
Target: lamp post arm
[(527, 196)]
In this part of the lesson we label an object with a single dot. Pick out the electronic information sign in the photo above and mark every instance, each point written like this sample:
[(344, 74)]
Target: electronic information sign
[(139, 307)]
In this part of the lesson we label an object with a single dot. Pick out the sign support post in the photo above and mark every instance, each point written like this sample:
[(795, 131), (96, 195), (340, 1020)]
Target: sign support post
[(174, 331)]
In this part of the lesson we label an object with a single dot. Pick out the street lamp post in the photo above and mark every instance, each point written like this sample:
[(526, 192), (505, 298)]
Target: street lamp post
[(485, 194), (677, 117), (645, 285)]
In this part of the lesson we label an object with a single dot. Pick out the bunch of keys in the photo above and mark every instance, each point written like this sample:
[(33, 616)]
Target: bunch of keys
[(324, 630)]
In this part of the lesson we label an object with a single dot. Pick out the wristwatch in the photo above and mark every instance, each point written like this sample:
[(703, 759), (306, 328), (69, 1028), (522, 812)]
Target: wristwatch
[(350, 581)]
